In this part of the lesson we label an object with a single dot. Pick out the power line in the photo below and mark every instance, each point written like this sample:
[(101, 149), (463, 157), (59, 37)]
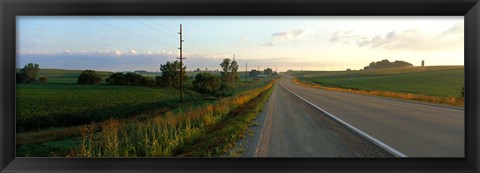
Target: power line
[(160, 24), (153, 28), (190, 42), (204, 48), (135, 34), (198, 45)]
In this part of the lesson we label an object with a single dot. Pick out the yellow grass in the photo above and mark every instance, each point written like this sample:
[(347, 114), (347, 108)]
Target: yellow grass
[(162, 135), (452, 101)]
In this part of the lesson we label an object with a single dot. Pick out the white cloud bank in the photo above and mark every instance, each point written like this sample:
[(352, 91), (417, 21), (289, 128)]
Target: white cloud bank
[(409, 39)]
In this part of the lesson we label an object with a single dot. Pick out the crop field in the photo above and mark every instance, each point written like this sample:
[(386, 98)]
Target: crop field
[(165, 136), (60, 105), (438, 81), (51, 118), (67, 76), (111, 104)]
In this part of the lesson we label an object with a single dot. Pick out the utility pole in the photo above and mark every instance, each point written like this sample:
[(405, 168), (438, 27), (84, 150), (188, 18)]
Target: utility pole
[(181, 66)]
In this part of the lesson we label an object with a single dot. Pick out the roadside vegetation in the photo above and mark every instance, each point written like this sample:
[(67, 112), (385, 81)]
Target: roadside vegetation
[(87, 112), (169, 135), (434, 84)]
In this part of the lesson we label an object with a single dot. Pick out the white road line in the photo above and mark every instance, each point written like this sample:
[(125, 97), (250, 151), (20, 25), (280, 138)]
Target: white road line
[(358, 131)]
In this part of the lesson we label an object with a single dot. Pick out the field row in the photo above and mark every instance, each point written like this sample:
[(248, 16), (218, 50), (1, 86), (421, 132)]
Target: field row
[(61, 105), (437, 81)]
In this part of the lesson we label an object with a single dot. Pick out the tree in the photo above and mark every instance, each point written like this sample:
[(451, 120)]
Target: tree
[(130, 79), (233, 71), (89, 77), (43, 79), (225, 66), (171, 75), (206, 83), (268, 71), (387, 64), (30, 71), (116, 79), (253, 73)]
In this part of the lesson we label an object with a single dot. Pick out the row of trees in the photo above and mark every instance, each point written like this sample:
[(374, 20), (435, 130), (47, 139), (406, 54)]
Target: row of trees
[(204, 82), (223, 85), (387, 64), (267, 72), (170, 77), (130, 79)]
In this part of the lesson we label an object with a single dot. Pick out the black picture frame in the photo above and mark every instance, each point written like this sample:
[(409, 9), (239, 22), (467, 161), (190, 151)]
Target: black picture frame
[(470, 9)]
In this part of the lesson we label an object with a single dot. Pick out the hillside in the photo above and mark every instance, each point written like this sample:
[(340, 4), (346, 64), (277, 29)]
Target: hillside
[(441, 81)]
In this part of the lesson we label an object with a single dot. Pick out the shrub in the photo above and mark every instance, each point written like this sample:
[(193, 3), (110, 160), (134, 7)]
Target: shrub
[(130, 79), (89, 77), (43, 79), (225, 90), (21, 77), (206, 83)]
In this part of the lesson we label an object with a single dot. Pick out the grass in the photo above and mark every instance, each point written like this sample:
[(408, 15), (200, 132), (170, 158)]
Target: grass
[(61, 105), (436, 84), (164, 135), (58, 148), (223, 137)]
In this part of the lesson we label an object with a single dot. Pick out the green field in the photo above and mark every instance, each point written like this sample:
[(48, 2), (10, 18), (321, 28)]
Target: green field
[(59, 105), (67, 76), (63, 103), (440, 81)]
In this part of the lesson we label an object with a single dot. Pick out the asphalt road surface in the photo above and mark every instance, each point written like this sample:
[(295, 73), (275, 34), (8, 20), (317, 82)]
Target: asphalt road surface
[(295, 128)]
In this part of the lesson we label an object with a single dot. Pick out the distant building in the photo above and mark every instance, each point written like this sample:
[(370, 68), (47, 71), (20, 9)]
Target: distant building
[(423, 63), (261, 76)]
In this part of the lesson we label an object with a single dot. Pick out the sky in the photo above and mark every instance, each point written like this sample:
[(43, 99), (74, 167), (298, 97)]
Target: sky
[(128, 43)]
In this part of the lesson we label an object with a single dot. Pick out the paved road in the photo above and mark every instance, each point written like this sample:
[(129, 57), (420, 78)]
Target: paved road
[(294, 128)]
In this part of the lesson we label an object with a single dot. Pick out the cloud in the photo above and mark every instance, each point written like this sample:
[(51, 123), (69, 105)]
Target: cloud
[(341, 35), (409, 39), (132, 52), (118, 52), (269, 44), (245, 38), (303, 35), (296, 34), (313, 38)]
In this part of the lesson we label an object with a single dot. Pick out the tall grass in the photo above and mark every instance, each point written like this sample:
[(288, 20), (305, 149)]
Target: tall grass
[(224, 137), (160, 136), (453, 101)]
